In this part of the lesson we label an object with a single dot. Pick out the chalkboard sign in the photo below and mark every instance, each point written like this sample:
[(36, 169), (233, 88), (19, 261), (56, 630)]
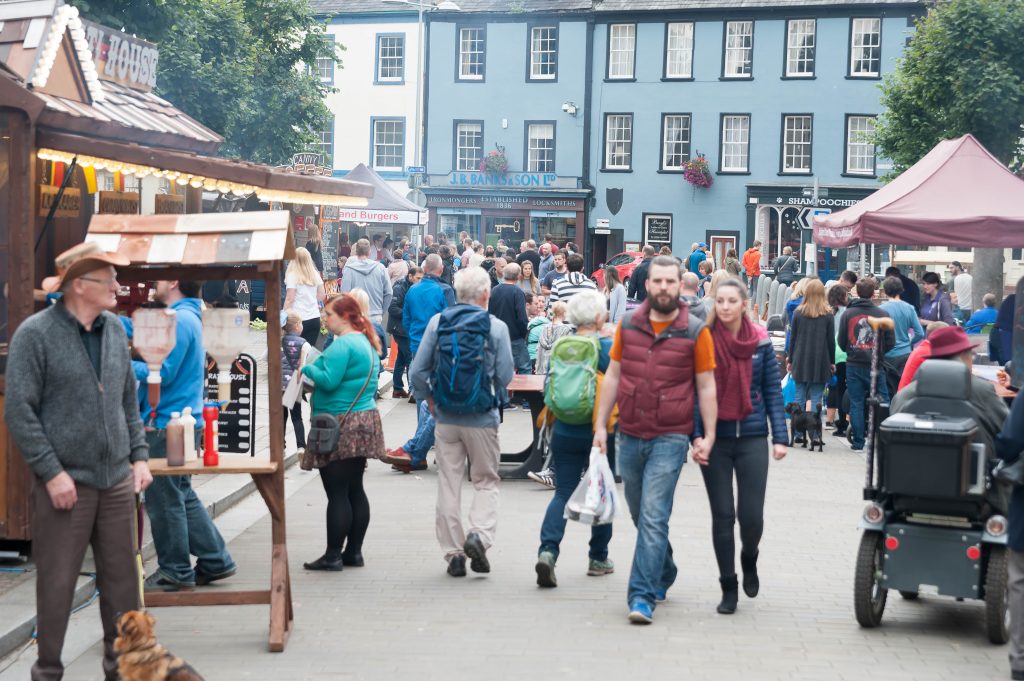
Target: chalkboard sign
[(329, 249), (657, 229), (237, 423)]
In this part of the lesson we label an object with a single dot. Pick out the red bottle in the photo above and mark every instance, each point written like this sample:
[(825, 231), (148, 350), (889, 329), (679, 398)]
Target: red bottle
[(211, 413)]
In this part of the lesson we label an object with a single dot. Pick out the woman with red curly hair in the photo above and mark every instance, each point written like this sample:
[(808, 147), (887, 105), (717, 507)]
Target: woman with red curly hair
[(345, 384)]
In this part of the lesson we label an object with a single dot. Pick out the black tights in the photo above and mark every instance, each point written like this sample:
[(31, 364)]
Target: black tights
[(748, 457), (348, 509)]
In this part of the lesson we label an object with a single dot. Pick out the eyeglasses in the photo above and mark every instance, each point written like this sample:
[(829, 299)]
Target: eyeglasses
[(108, 281)]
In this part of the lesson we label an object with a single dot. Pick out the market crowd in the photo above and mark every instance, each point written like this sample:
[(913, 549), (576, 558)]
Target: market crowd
[(681, 367)]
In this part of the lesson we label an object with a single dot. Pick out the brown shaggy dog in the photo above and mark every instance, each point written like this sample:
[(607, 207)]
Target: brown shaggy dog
[(141, 657)]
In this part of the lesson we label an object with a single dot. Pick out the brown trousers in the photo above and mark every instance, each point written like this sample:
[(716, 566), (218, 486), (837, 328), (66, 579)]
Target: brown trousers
[(103, 518)]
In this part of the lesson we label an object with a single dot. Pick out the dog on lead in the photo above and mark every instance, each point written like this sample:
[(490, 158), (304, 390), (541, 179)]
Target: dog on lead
[(141, 657), (804, 427)]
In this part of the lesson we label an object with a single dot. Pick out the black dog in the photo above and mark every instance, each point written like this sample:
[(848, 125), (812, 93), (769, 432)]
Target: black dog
[(804, 427)]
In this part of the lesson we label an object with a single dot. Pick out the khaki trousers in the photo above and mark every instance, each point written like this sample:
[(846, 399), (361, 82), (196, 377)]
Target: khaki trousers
[(457, 445), (103, 519), (1016, 598)]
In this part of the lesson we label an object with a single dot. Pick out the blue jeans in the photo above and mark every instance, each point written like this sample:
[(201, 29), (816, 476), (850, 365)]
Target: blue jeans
[(812, 392), (423, 439), (650, 470), (521, 357), (181, 527), (402, 362), (858, 385), (571, 456)]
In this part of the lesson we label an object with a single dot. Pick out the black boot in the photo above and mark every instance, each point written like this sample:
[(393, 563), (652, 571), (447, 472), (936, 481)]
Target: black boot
[(730, 595), (330, 561), (751, 585)]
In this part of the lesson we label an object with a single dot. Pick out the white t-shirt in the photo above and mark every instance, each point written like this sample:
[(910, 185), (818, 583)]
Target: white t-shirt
[(962, 287), (305, 304)]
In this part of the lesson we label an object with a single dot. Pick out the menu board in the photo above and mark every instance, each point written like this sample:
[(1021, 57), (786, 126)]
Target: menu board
[(658, 229), (236, 423), (329, 249)]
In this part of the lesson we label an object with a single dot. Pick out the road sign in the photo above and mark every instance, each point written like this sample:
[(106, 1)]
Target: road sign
[(806, 217), (416, 169), (822, 192)]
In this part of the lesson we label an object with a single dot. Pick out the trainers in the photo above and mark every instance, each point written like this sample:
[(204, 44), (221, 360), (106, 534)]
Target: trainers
[(600, 567), (474, 548), (156, 582), (661, 595), (202, 579), (398, 456), (640, 613), (546, 570), (511, 407), (855, 448), (408, 467), (457, 566), (545, 477)]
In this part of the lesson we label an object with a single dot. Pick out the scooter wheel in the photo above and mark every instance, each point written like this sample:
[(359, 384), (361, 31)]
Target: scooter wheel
[(997, 612), (868, 594)]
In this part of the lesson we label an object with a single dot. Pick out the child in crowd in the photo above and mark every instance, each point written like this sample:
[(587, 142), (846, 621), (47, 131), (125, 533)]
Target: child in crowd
[(538, 320), (293, 351)]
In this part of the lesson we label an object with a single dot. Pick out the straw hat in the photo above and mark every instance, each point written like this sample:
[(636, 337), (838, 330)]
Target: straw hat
[(79, 260)]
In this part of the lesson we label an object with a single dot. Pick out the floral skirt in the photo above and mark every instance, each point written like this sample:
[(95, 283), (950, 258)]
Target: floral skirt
[(362, 435)]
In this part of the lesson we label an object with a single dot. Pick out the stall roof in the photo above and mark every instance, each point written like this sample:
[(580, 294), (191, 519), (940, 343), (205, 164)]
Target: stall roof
[(384, 196), (212, 239), (957, 195)]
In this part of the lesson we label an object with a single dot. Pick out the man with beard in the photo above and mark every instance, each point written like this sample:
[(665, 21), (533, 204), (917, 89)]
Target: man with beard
[(661, 359)]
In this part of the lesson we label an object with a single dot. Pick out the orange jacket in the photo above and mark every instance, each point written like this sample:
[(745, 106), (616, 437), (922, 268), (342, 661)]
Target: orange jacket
[(752, 262)]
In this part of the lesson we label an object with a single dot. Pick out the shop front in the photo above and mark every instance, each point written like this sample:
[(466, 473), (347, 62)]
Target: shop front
[(512, 208), (782, 215)]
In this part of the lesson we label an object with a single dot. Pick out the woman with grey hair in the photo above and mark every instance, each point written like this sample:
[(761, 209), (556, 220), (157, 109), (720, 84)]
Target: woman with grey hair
[(570, 445)]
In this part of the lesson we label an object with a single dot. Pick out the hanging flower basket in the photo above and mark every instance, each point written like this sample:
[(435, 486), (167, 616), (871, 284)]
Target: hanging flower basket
[(495, 162), (697, 172)]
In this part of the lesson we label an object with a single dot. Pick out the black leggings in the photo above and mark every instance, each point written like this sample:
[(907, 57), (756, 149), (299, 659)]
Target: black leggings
[(748, 457), (348, 509), (311, 330)]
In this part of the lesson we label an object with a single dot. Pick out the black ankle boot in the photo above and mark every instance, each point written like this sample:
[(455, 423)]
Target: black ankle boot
[(330, 561), (352, 559), (730, 595), (751, 585)]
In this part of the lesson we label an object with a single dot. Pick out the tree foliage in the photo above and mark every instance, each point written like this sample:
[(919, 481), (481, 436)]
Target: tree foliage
[(235, 66), (963, 72)]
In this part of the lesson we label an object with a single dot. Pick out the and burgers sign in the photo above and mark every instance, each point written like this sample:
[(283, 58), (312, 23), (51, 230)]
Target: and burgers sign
[(121, 58)]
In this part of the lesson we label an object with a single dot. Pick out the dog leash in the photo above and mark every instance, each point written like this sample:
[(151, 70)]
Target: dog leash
[(137, 527)]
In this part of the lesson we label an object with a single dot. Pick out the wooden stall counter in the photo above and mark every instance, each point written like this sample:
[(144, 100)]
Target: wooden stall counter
[(229, 463)]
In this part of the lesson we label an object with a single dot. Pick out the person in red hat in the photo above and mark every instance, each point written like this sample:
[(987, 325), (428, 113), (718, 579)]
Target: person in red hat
[(953, 344)]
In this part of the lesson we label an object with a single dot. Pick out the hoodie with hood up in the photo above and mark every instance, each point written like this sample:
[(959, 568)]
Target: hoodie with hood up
[(370, 276)]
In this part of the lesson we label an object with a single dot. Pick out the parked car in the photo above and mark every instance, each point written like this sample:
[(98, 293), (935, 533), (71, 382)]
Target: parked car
[(625, 263)]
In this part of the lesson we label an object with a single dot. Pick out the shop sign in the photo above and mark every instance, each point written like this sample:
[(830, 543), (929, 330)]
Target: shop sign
[(70, 205), (657, 229), (507, 180), (121, 58), (502, 201), (804, 201), (119, 203), (404, 217), (169, 204), (603, 223)]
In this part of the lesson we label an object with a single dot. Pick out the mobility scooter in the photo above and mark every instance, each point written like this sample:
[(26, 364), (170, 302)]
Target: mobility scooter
[(935, 520)]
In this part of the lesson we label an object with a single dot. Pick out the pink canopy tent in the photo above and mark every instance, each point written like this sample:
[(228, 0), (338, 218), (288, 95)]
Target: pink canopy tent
[(957, 195)]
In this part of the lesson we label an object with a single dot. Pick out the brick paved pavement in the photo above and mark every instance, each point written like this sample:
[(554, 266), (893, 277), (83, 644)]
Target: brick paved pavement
[(402, 617)]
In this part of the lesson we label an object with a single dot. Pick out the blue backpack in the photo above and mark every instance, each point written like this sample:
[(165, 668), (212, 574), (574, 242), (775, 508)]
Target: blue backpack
[(461, 382)]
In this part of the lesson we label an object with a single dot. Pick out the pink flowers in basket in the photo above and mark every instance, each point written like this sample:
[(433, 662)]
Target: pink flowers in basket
[(697, 172), (495, 162)]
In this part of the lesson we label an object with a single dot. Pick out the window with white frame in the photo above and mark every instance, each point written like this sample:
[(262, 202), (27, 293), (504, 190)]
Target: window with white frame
[(618, 141), (540, 148), (543, 52), (621, 50), (388, 144), (739, 49), (735, 143), (800, 39), (324, 143), (860, 145), (675, 141), (679, 50), (390, 58), (469, 146), (866, 47), (325, 63), (472, 44), (796, 144)]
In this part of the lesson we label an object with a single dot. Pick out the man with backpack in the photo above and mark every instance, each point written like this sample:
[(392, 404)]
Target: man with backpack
[(462, 367), (662, 363)]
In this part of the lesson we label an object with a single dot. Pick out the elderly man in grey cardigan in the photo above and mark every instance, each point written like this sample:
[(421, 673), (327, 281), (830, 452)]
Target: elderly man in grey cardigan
[(73, 412)]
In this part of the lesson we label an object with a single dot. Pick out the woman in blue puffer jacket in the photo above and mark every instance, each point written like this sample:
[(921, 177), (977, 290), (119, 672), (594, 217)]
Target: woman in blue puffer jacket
[(749, 397)]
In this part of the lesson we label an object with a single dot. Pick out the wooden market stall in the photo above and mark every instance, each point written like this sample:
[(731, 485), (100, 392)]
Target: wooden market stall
[(80, 137)]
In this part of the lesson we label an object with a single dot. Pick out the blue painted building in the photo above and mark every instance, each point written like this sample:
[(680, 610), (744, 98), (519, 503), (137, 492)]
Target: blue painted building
[(513, 82)]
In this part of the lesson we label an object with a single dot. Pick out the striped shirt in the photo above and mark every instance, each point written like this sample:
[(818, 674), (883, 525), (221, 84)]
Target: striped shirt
[(573, 283)]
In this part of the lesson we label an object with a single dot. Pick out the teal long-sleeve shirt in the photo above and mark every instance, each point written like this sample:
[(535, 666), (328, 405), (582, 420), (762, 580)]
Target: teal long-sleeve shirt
[(908, 327), (340, 372)]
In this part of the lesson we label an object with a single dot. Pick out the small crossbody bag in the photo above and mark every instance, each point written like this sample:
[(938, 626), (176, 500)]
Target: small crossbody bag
[(325, 429)]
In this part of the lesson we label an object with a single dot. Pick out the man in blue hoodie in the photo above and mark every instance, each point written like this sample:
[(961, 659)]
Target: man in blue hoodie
[(422, 302), (178, 520)]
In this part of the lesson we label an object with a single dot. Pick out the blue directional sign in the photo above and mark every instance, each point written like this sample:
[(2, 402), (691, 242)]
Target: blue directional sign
[(416, 169)]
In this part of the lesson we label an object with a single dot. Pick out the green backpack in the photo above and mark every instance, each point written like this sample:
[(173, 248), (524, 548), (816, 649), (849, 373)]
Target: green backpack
[(571, 387)]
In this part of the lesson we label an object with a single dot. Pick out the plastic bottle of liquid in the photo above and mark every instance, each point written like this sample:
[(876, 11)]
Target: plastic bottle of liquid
[(175, 441), (211, 412), (189, 426)]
